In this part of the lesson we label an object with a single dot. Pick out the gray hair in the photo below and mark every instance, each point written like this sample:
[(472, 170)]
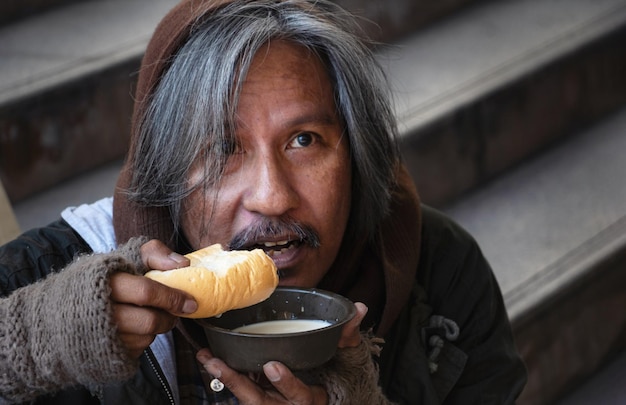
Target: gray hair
[(188, 117)]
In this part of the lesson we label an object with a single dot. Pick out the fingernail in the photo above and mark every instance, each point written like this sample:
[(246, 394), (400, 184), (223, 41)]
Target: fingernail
[(212, 369), (177, 257), (190, 306), (361, 309), (271, 372), (203, 358)]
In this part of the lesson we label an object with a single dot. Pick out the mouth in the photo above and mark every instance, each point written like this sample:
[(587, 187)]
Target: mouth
[(284, 253), (275, 249), (286, 242)]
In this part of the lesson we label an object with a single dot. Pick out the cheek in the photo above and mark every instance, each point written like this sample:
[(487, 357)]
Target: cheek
[(330, 198), (208, 217), (193, 216)]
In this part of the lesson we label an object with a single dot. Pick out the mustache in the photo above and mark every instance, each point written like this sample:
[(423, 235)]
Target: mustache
[(272, 228)]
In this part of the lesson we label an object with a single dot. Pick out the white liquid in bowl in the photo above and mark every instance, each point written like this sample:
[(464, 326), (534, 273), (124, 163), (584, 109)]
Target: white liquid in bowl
[(283, 326)]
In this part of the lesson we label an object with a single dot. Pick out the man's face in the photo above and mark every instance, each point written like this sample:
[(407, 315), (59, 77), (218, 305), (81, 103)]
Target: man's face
[(289, 176)]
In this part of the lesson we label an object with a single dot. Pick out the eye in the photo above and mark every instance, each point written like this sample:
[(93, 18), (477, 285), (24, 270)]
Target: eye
[(302, 140)]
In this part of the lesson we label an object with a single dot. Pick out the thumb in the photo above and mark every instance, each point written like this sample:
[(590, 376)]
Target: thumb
[(156, 255), (350, 335)]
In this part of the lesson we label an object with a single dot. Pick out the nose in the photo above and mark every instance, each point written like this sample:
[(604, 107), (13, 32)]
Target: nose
[(270, 192)]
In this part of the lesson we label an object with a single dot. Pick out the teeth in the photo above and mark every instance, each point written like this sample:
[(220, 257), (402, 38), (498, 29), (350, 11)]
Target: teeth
[(272, 244), (274, 252)]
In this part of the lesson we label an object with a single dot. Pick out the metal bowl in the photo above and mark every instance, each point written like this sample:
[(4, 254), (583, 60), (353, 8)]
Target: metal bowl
[(247, 352)]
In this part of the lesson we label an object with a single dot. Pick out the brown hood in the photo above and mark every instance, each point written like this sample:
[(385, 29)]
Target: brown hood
[(401, 234), (392, 262)]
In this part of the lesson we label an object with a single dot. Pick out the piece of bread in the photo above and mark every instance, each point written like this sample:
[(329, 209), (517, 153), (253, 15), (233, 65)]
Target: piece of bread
[(221, 280)]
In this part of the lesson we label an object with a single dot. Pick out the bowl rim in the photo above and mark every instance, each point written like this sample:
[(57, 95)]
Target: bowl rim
[(351, 314)]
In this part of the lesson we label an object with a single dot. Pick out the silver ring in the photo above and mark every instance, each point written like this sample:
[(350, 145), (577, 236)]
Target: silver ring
[(217, 385)]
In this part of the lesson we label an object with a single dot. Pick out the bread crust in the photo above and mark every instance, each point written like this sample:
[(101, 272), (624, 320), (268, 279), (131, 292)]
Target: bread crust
[(222, 280)]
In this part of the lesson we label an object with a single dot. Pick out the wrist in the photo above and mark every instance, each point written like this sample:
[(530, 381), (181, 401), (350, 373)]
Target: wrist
[(320, 396)]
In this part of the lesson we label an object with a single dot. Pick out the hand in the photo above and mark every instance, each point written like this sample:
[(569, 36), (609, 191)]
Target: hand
[(286, 388), (157, 256), (143, 308), (350, 335)]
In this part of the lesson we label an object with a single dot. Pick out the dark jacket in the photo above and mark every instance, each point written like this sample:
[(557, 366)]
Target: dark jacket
[(451, 344)]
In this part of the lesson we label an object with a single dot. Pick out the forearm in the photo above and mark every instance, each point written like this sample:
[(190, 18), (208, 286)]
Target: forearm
[(59, 332)]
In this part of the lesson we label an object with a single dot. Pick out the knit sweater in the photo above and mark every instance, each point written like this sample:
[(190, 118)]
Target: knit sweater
[(40, 354)]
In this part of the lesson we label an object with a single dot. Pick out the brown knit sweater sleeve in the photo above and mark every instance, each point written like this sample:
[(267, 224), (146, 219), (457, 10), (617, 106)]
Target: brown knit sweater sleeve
[(59, 332), (351, 376)]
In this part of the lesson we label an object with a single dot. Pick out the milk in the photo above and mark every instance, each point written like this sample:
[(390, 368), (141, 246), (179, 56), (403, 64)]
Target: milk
[(283, 326)]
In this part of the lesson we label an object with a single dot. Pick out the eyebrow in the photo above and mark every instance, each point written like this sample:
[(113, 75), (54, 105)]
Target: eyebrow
[(314, 117)]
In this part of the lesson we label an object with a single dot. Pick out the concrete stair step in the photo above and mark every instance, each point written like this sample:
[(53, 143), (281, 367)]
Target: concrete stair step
[(13, 10), (41, 208), (606, 387), (554, 231), (65, 83), (66, 75), (477, 92), (483, 90), (391, 20)]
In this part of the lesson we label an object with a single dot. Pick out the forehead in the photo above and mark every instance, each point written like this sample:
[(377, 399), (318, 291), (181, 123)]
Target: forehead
[(284, 63), (291, 78)]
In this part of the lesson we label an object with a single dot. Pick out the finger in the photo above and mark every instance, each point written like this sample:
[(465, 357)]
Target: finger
[(137, 327), (136, 344), (141, 291), (204, 355), (246, 391), (350, 334), (135, 320), (156, 255), (290, 387)]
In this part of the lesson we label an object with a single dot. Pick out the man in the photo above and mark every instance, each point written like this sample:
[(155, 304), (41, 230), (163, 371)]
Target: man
[(257, 124)]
